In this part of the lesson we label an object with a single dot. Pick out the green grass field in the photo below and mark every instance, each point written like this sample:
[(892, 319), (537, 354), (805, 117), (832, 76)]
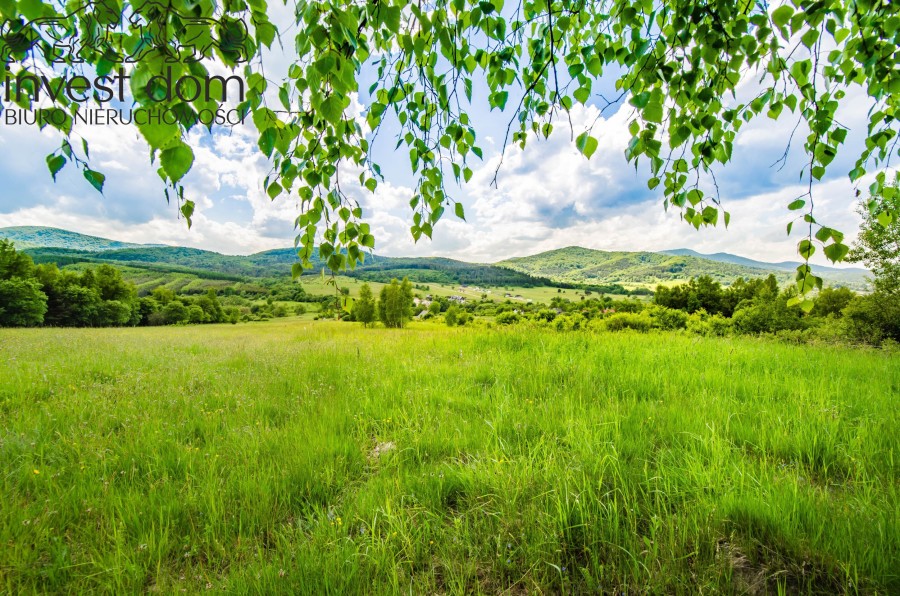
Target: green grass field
[(315, 458)]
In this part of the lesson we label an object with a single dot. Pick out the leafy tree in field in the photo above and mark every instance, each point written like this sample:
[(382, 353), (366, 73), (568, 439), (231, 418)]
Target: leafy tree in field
[(196, 315), (742, 290), (451, 317), (175, 312), (212, 309), (768, 313), (678, 64), (148, 307), (22, 303), (878, 245), (831, 301), (873, 318), (699, 293), (93, 299), (163, 295), (394, 304), (14, 263), (364, 307), (111, 286), (406, 293)]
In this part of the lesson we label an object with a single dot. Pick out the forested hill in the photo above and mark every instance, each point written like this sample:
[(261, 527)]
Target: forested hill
[(567, 266), (48, 245), (587, 266)]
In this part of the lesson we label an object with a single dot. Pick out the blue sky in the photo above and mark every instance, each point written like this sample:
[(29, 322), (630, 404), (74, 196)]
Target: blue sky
[(548, 196)]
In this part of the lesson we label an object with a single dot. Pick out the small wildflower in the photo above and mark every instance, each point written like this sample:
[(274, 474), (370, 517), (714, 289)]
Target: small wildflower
[(282, 573), (36, 472)]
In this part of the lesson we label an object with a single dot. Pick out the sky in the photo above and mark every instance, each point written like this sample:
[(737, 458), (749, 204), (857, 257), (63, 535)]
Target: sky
[(548, 196)]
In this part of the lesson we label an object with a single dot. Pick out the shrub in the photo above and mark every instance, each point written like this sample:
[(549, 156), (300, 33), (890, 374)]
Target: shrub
[(873, 318), (764, 315), (507, 318), (669, 319), (571, 322), (451, 317), (546, 314), (175, 312), (709, 325), (195, 314), (624, 320)]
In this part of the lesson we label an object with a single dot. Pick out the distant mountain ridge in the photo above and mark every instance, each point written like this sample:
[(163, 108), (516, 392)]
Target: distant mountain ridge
[(724, 257), (50, 245), (575, 264), (568, 266)]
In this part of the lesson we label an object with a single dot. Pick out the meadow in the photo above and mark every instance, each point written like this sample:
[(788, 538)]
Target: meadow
[(314, 458)]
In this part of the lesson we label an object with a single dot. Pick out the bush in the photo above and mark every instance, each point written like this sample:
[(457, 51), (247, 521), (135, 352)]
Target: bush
[(175, 312), (572, 322), (668, 318), (546, 314), (873, 318), (764, 315), (195, 314), (507, 318), (156, 318), (452, 315), (624, 320), (709, 325), (232, 314)]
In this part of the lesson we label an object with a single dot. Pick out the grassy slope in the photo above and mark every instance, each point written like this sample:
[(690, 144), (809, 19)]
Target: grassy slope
[(257, 458)]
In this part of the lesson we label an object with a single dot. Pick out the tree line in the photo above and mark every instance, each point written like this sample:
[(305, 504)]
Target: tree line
[(33, 295)]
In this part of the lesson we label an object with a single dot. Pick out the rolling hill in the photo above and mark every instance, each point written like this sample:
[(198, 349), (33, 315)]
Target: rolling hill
[(573, 266), (849, 275), (42, 237), (267, 264), (579, 265)]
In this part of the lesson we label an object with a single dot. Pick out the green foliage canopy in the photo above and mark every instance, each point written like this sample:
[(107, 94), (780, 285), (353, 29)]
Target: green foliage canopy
[(395, 303), (678, 63), (878, 244), (364, 306)]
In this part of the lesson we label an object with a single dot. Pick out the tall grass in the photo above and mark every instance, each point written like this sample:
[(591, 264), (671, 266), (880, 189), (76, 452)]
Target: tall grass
[(323, 458)]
